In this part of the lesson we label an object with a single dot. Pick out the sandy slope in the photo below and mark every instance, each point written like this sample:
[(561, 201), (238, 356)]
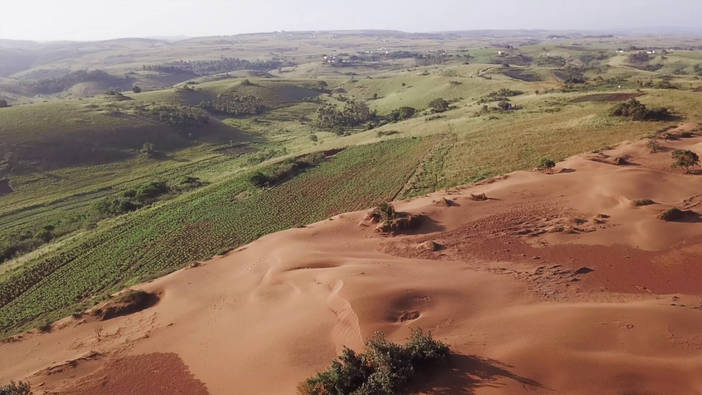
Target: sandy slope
[(556, 284)]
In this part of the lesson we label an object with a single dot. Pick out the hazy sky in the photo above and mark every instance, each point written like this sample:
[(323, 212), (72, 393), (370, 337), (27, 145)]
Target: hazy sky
[(103, 19)]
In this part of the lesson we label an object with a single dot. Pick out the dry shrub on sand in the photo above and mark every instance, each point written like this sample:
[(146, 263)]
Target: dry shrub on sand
[(383, 368)]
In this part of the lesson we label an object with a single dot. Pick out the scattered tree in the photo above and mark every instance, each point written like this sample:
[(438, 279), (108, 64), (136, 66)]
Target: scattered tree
[(546, 164), (3, 103), (653, 146), (136, 89), (637, 111)]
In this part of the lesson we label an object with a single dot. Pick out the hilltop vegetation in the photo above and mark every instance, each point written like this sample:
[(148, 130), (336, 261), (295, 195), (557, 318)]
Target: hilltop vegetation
[(109, 190)]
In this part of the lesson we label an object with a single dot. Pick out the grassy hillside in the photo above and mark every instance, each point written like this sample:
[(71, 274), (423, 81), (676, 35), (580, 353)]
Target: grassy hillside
[(68, 133)]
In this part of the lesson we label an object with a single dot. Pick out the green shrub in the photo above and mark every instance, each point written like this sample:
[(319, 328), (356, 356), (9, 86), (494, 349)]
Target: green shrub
[(19, 388), (439, 105), (637, 111), (402, 113), (546, 163), (499, 95), (685, 159), (134, 199), (286, 170), (354, 113), (234, 104), (116, 206), (151, 191), (174, 114), (384, 212), (259, 179), (384, 368), (188, 182)]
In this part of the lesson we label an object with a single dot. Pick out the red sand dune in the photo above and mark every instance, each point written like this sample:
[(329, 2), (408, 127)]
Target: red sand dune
[(557, 284)]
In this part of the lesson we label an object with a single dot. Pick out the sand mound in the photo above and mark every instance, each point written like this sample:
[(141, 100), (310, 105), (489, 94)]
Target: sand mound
[(126, 303), (558, 283)]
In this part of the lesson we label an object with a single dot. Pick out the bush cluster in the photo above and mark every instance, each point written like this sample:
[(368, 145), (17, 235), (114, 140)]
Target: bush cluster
[(136, 198), (384, 368), (354, 113), (637, 111), (19, 388), (685, 159), (402, 113), (174, 114), (234, 104), (439, 105), (285, 170), (500, 95)]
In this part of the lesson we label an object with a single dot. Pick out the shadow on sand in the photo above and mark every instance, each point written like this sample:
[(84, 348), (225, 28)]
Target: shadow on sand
[(464, 374)]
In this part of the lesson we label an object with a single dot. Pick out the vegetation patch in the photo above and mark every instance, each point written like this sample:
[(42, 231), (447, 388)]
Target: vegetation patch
[(643, 202), (353, 113), (383, 368), (215, 66), (605, 97), (174, 114), (134, 199), (675, 214), (439, 105), (390, 221), (19, 388), (685, 159), (520, 74), (288, 169), (232, 103), (571, 75), (546, 164), (500, 95), (637, 111), (551, 61), (402, 113)]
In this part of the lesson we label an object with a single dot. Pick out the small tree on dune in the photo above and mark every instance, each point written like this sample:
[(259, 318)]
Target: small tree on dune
[(685, 159), (546, 164)]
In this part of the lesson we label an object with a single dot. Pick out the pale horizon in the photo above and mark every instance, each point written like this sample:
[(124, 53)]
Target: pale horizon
[(83, 20)]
